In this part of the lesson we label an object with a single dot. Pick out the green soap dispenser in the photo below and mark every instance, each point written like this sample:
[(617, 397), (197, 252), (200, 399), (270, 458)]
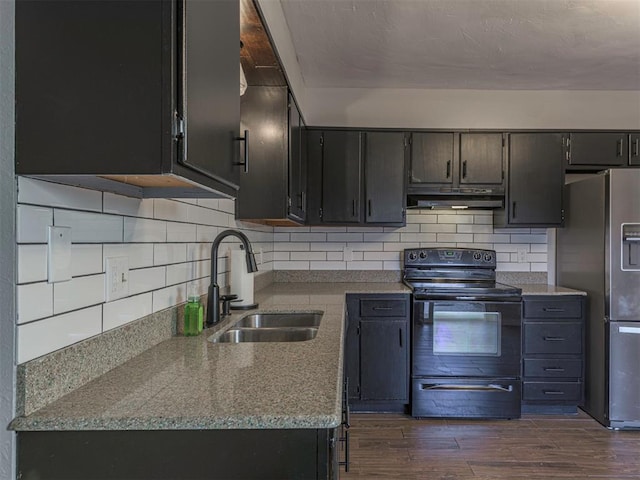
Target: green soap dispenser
[(193, 316)]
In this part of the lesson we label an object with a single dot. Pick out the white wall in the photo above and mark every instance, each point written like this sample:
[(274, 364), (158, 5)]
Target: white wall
[(380, 248), (513, 109), (167, 242), (7, 239)]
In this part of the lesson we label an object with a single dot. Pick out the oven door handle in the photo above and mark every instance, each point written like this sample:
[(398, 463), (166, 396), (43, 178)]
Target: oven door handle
[(484, 388)]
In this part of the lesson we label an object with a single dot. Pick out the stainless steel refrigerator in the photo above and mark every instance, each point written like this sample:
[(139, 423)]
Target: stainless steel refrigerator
[(598, 251)]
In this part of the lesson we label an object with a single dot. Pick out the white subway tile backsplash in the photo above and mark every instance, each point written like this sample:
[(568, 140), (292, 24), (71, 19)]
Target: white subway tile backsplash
[(308, 255), (165, 209), (392, 265), (79, 292), (539, 267), (168, 297), (140, 254), (133, 207), (456, 219), (345, 237), (382, 256), (365, 229), (125, 310), (291, 247), (198, 251), (45, 336), (454, 237), (537, 257), (181, 232), (180, 273), (227, 205), (279, 256), (205, 216), (308, 237), (398, 247), (483, 219), (438, 228), (35, 300), (32, 223), (370, 265), (144, 230), (281, 237), (332, 256), (382, 237), (90, 227), (328, 265), (327, 247), (146, 279), (32, 263), (491, 238), (38, 192), (539, 248), (529, 239), (513, 267), (206, 233), (165, 253), (86, 259), (211, 203), (471, 228), (290, 265)]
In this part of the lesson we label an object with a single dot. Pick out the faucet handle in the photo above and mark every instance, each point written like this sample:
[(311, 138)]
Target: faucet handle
[(226, 302)]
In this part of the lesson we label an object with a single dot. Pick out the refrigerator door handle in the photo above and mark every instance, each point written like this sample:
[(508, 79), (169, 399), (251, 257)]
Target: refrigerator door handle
[(633, 330)]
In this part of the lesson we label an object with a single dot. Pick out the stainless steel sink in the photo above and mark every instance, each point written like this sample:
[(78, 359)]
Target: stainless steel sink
[(280, 320), (281, 334)]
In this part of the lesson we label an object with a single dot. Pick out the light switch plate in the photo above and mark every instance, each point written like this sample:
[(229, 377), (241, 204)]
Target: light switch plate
[(58, 254), (522, 255), (117, 278)]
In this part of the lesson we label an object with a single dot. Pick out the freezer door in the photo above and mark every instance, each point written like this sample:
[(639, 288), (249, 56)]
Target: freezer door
[(624, 374)]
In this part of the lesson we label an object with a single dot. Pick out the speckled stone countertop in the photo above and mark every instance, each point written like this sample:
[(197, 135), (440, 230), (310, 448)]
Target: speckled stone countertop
[(190, 383), (541, 289)]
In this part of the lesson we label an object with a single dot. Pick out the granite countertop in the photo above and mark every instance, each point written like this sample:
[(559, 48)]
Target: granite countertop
[(189, 383), (543, 289)]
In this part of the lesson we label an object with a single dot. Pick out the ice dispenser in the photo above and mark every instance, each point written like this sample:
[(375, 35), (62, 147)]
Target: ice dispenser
[(631, 246)]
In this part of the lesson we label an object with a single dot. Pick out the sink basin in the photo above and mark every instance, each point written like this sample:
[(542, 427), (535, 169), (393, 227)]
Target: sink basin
[(280, 320), (282, 334)]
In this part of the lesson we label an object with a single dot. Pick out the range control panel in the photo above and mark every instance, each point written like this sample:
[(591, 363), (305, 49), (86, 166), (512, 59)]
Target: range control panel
[(452, 257)]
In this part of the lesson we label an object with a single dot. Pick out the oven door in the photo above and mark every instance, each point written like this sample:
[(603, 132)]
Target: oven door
[(466, 339)]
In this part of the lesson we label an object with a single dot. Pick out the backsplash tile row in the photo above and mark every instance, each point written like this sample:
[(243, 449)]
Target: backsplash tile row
[(167, 242), (380, 248)]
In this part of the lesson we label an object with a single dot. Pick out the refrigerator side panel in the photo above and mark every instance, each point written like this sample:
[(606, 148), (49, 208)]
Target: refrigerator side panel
[(580, 264), (624, 381), (624, 245)]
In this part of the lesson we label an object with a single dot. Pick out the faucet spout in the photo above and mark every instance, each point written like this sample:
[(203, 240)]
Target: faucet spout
[(213, 300)]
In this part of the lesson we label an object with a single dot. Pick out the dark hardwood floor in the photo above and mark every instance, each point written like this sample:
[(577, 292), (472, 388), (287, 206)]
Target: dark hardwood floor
[(573, 447)]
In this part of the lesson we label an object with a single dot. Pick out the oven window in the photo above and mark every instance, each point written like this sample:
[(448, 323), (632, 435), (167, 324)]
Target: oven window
[(466, 333)]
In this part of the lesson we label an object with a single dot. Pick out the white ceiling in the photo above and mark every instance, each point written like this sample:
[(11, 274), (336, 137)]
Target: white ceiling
[(467, 44)]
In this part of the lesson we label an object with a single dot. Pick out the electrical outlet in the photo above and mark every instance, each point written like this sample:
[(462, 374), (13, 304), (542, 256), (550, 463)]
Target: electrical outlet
[(348, 254), (260, 256), (522, 255), (117, 281)]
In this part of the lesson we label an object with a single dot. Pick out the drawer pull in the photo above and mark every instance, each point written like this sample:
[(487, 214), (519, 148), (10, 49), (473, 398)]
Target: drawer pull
[(553, 392), (383, 308), (483, 388), (553, 309), (554, 339), (553, 369)]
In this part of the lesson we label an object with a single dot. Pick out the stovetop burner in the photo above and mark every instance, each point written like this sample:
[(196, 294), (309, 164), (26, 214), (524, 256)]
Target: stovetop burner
[(450, 273)]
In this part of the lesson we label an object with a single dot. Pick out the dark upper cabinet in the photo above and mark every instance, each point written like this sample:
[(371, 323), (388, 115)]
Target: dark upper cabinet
[(137, 97), (481, 159), (432, 158), (273, 191), (263, 190), (634, 149), (297, 191), (597, 149), (356, 177), (384, 177), (535, 181), (451, 160), (341, 181)]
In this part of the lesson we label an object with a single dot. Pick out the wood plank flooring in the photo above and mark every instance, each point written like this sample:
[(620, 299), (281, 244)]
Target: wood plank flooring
[(573, 447)]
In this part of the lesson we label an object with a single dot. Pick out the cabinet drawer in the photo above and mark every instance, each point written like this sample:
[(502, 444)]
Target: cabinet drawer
[(552, 338), (383, 308), (553, 367), (551, 308), (552, 391)]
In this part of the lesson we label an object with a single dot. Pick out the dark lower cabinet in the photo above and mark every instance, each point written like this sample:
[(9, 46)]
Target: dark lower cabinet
[(553, 353), (377, 351), (535, 182), (178, 454)]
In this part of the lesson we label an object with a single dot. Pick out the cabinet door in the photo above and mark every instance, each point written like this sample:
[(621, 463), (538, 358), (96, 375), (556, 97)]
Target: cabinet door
[(210, 88), (341, 167), (296, 184), (384, 177), (352, 348), (481, 159), (598, 148), (384, 373), (432, 158), (634, 149), (536, 179)]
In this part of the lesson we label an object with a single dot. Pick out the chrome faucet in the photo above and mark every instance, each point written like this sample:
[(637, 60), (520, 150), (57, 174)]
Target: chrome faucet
[(213, 300)]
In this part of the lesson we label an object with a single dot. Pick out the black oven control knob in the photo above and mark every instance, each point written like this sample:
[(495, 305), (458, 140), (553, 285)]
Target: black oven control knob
[(423, 254), (412, 255), (477, 256), (488, 257)]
